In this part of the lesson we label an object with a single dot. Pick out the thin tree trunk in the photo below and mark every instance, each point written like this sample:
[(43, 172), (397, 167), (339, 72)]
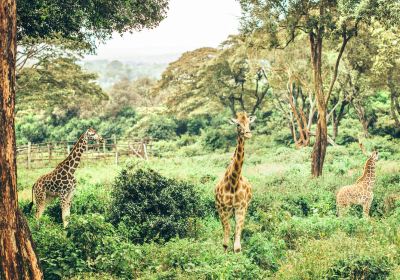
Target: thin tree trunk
[(321, 137), (18, 259), (393, 99)]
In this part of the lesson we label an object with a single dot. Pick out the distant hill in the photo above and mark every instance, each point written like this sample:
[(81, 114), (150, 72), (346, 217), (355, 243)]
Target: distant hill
[(112, 71)]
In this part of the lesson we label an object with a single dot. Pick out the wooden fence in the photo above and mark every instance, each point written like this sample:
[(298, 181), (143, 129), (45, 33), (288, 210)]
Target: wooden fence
[(40, 154)]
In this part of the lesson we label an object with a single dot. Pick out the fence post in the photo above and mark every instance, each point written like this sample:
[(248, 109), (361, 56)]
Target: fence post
[(116, 149), (68, 148), (29, 155), (49, 151), (104, 147), (145, 151)]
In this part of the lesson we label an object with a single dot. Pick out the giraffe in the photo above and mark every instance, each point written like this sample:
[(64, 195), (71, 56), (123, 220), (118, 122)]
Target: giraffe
[(61, 181), (233, 192), (361, 192)]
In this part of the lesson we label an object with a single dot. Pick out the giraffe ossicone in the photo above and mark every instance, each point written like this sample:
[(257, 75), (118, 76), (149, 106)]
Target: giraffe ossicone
[(233, 192), (360, 193), (61, 181)]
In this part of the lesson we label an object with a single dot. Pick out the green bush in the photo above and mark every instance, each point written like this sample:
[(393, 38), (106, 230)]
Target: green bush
[(265, 252), (31, 129), (89, 233), (59, 257), (219, 138), (91, 199), (153, 207), (161, 128), (363, 267), (339, 257)]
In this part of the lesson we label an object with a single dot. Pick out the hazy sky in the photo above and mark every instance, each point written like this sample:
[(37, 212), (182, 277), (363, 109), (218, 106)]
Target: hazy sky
[(190, 24)]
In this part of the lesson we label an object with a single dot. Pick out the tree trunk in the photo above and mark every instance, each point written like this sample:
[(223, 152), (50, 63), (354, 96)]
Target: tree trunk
[(321, 137), (335, 129), (319, 149), (394, 103), (362, 116), (18, 259)]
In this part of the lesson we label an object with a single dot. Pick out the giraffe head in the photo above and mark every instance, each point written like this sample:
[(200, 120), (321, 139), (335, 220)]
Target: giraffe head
[(243, 122), (91, 134), (374, 156)]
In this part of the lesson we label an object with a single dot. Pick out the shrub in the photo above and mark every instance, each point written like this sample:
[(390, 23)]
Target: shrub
[(153, 207), (339, 257), (362, 267), (91, 199), (31, 129), (266, 253), (161, 128), (59, 257), (89, 232), (219, 138)]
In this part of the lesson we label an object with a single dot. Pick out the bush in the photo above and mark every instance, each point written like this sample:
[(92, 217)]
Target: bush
[(363, 267), (219, 138), (89, 234), (161, 128), (59, 257), (339, 257), (151, 207), (31, 129)]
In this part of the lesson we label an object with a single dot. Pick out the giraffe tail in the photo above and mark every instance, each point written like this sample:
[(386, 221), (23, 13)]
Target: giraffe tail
[(30, 206)]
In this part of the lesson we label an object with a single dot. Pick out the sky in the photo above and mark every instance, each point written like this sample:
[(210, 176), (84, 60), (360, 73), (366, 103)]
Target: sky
[(190, 24)]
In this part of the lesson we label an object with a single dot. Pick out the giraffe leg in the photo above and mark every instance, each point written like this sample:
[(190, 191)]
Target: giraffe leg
[(40, 204), (366, 207), (66, 208), (239, 218), (225, 216)]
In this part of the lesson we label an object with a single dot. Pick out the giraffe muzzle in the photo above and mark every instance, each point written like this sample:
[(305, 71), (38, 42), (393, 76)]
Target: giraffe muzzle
[(248, 135)]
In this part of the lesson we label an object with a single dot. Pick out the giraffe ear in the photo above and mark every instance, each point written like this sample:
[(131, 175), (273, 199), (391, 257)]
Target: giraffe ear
[(252, 119), (232, 121)]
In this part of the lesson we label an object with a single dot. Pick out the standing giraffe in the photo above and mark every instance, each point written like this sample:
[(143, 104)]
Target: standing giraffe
[(361, 192), (61, 181), (233, 192)]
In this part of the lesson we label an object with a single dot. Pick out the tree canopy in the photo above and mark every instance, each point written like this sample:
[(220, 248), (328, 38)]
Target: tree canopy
[(86, 21)]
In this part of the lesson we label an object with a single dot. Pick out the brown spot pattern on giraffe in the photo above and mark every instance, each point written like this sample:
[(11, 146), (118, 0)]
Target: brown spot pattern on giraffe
[(61, 181)]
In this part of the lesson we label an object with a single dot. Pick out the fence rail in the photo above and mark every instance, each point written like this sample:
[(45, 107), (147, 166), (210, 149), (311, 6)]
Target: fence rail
[(38, 154)]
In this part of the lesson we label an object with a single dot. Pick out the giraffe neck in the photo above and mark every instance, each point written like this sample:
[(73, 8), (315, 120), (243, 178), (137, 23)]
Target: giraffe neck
[(367, 180), (74, 157), (234, 171)]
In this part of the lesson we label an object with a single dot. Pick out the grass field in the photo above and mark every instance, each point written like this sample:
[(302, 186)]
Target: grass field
[(291, 230)]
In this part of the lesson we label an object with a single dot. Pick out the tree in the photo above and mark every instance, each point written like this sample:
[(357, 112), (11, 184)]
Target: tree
[(386, 65), (234, 78), (178, 83), (227, 77), (320, 20), (60, 84), (18, 259), (86, 21), (79, 21), (127, 93)]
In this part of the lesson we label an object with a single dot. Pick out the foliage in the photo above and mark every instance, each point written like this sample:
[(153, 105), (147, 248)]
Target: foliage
[(128, 94), (57, 84), (36, 128), (291, 229), (83, 21), (149, 206)]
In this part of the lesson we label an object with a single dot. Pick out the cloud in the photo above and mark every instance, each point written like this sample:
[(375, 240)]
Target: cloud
[(190, 24)]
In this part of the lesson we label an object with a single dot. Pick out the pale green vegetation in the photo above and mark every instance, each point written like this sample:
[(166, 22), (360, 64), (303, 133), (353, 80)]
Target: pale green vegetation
[(129, 222), (291, 231)]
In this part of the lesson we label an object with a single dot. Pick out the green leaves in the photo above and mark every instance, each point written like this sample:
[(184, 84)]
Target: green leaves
[(59, 83), (86, 21)]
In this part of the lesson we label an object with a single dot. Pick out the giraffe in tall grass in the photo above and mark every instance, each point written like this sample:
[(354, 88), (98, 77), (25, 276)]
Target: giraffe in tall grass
[(61, 181), (360, 193), (233, 193)]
